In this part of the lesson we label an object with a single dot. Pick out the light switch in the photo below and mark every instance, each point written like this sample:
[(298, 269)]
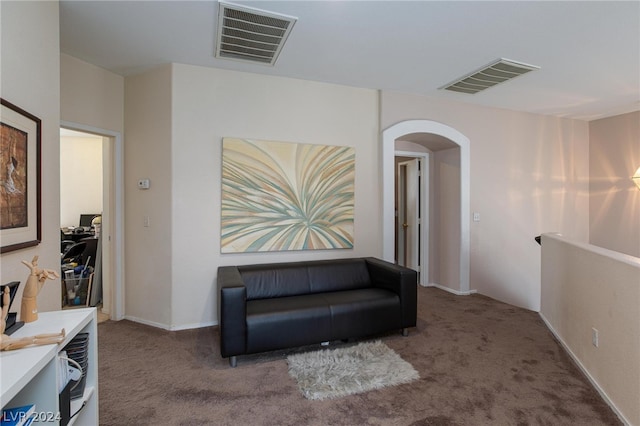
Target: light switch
[(476, 217)]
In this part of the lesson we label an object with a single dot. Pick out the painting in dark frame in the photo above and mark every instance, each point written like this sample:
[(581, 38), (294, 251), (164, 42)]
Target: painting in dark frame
[(20, 180)]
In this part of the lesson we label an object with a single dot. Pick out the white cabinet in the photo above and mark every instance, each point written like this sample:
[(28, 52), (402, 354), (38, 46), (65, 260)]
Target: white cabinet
[(30, 375)]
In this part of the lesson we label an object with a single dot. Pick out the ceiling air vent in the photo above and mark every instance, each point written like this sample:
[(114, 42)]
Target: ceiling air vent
[(489, 75), (250, 34)]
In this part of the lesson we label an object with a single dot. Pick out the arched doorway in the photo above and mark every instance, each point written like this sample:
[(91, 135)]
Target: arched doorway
[(409, 127)]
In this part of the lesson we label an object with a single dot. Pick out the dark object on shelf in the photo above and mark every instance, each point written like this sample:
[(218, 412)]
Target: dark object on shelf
[(82, 251), (64, 399), (65, 242), (11, 324), (77, 350), (539, 239), (87, 219)]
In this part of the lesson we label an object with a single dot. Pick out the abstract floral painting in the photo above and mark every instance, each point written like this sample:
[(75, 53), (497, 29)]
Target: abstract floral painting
[(279, 196)]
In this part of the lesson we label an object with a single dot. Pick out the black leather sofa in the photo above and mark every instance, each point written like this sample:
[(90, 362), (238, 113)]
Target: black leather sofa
[(282, 305)]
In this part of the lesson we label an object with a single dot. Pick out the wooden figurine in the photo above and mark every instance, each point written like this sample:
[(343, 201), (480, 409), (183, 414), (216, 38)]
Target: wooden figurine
[(8, 343), (6, 298), (35, 282)]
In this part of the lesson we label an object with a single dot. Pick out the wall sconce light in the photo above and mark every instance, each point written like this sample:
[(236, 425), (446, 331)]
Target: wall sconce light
[(636, 178)]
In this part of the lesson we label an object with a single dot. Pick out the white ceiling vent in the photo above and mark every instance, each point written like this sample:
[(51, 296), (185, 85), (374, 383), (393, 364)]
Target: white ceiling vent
[(250, 34), (488, 76)]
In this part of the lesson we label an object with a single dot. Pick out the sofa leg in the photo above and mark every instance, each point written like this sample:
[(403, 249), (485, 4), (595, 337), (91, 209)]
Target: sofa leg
[(233, 361), (405, 332)]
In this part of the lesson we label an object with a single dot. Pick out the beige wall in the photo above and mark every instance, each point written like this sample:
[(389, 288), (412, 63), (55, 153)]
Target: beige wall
[(614, 201), (585, 287), (445, 222), (528, 172), (80, 178), (529, 175), (176, 119), (148, 151), (90, 95), (92, 99), (210, 104), (30, 79)]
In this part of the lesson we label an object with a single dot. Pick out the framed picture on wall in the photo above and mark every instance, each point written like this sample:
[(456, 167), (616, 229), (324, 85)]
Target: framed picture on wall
[(281, 196), (20, 210)]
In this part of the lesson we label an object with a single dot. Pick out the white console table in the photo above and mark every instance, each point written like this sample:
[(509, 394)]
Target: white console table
[(30, 375)]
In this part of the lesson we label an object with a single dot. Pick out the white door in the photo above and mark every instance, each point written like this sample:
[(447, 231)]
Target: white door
[(408, 230)]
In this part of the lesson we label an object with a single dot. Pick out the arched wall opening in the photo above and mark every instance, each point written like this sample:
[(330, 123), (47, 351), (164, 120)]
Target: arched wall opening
[(429, 129)]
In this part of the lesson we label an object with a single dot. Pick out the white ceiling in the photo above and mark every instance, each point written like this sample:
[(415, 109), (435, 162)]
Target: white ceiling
[(589, 52)]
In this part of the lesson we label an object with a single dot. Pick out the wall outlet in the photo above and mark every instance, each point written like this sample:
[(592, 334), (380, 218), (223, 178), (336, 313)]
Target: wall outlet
[(594, 337), (476, 217), (144, 184)]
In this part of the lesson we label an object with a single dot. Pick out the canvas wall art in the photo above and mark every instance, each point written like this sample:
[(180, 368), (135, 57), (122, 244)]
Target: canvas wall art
[(279, 196)]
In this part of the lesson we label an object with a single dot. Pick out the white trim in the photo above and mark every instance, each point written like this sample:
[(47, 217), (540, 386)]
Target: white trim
[(193, 325), (452, 291), (611, 254), (389, 137), (424, 200), (593, 381), (171, 327), (147, 322), (117, 307)]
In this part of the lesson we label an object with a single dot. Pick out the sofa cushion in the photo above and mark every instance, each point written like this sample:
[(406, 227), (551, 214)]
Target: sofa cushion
[(363, 312), (338, 275), (271, 281), (313, 318), (287, 321), (298, 278)]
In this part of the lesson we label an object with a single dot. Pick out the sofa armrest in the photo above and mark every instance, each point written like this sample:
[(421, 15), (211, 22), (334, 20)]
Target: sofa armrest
[(232, 311), (402, 281)]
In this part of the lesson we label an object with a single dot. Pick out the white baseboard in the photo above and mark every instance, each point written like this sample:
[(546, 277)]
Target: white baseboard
[(194, 325), (450, 290), (168, 327), (593, 381), (147, 322)]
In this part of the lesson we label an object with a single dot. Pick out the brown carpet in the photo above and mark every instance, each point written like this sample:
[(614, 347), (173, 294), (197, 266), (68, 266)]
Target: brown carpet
[(481, 362)]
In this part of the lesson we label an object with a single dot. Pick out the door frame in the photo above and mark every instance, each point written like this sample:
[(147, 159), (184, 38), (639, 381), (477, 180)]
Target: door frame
[(389, 137), (423, 236), (115, 202)]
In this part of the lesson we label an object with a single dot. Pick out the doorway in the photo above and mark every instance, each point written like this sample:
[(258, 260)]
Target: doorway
[(110, 250), (412, 212), (81, 211), (436, 133)]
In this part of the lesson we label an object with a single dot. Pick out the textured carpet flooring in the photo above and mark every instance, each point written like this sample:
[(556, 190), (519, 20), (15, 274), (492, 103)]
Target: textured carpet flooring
[(480, 362)]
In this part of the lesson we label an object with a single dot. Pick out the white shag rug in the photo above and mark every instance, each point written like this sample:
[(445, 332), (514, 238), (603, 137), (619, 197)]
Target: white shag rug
[(333, 373)]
